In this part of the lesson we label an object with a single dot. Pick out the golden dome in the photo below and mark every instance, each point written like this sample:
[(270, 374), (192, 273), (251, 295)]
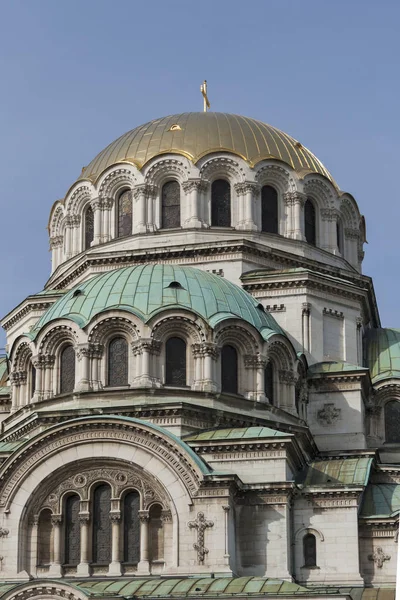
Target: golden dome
[(197, 134)]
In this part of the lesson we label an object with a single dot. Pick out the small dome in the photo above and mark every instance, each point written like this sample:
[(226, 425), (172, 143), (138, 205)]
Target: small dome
[(196, 134), (146, 290), (382, 353)]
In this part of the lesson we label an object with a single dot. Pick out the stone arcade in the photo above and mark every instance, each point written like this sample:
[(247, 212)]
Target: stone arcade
[(201, 402)]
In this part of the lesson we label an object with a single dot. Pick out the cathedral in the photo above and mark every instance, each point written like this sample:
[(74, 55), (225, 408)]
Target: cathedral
[(201, 402)]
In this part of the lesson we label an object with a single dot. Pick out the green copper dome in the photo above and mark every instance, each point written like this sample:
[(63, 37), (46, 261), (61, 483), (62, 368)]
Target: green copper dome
[(382, 353), (146, 290)]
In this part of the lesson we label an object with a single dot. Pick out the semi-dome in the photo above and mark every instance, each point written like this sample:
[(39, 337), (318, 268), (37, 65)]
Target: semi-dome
[(146, 290), (196, 134), (382, 353)]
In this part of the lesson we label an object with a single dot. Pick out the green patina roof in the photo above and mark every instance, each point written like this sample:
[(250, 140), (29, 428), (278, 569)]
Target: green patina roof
[(381, 500), (341, 471), (235, 433), (9, 447), (333, 367), (144, 291), (382, 353)]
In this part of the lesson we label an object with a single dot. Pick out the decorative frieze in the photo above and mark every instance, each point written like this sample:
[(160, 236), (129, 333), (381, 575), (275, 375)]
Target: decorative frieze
[(333, 313)]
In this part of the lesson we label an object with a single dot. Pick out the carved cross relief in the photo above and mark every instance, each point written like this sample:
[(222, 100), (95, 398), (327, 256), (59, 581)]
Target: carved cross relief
[(328, 415), (201, 524), (379, 557)]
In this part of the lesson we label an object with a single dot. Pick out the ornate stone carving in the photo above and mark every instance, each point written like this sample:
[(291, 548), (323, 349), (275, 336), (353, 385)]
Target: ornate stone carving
[(4, 532), (287, 377), (329, 214), (328, 415), (247, 186), (201, 524), (379, 557), (352, 234), (292, 198)]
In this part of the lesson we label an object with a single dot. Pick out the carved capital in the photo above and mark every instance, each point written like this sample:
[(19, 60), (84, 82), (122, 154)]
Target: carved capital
[(352, 234), (287, 377), (292, 198), (84, 518), (247, 187), (4, 532), (166, 516), (115, 516), (194, 184), (146, 345), (56, 520), (328, 214), (143, 516), (144, 189), (39, 361), (306, 308)]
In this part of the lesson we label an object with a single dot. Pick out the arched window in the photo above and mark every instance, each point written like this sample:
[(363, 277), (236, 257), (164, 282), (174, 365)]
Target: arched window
[(171, 205), (269, 209), (117, 362), (310, 550), (392, 422), (156, 533), (269, 381), (131, 528), (309, 222), (32, 381), (102, 525), (339, 236), (45, 538), (175, 362), (229, 370), (89, 227), (124, 214), (67, 370), (72, 531), (220, 203)]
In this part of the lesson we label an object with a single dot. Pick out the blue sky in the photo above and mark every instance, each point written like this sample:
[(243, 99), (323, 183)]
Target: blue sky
[(76, 74)]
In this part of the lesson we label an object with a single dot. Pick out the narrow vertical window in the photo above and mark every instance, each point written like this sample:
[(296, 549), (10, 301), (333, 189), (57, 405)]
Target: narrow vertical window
[(175, 362), (339, 236), (309, 222), (33, 380), (269, 209), (392, 422), (269, 382), (117, 362), (72, 531), (229, 370), (45, 538), (220, 203), (310, 550), (124, 214), (156, 533), (171, 205), (131, 528), (102, 525), (67, 370), (89, 227)]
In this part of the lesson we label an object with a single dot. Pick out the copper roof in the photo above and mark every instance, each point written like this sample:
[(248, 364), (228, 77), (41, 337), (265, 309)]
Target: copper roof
[(196, 134)]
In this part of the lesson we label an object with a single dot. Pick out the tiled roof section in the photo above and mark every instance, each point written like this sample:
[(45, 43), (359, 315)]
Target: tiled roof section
[(339, 471), (236, 433), (145, 290), (382, 353), (381, 500), (333, 367), (9, 447), (196, 134)]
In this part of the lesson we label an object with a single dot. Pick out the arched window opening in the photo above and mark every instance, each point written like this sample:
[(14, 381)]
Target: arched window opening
[(45, 538), (229, 370), (310, 222), (124, 214), (310, 550), (392, 422), (32, 381), (102, 525), (171, 205), (339, 236), (131, 554), (67, 370), (175, 362), (269, 209), (269, 382), (72, 531), (156, 533), (220, 203), (117, 372), (89, 227)]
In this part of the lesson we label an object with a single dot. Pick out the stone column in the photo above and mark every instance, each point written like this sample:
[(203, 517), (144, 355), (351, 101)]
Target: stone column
[(210, 353), (261, 363), (68, 220), (15, 390), (95, 354), (305, 315), (146, 348), (151, 192), (75, 233), (83, 354), (39, 362), (227, 556), (115, 565), (286, 396), (359, 324), (143, 565), (83, 569), (97, 207), (294, 202), (56, 243), (49, 360), (106, 233), (249, 191), (351, 240), (198, 363), (34, 545), (140, 209), (328, 230), (192, 189), (55, 567)]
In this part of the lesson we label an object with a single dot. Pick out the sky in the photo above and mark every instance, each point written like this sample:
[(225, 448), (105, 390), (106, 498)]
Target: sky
[(76, 74)]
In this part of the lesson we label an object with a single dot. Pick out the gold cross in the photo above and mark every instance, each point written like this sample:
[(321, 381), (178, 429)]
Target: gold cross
[(203, 89)]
